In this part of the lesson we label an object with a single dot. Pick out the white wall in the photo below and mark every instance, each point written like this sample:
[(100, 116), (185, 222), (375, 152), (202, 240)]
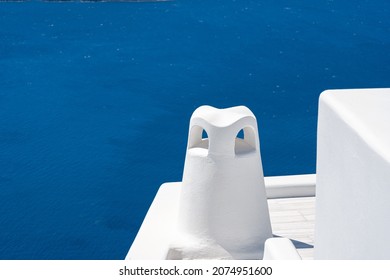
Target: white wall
[(353, 175)]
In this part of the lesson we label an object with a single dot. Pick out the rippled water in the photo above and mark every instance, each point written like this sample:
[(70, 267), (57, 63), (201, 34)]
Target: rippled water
[(95, 100)]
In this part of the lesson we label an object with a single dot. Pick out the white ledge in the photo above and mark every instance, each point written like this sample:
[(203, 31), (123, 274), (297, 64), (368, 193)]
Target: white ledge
[(290, 186)]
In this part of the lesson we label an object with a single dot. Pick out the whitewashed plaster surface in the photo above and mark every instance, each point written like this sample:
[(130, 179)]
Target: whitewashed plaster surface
[(223, 212), (353, 175)]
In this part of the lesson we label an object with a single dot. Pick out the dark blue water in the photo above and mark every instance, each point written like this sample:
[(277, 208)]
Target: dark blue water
[(95, 100)]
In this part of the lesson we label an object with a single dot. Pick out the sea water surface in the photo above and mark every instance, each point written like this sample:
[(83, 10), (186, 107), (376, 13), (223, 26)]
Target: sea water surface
[(95, 100)]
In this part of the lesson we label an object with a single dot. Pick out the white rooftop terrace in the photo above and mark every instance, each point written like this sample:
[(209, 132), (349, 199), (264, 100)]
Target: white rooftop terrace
[(343, 208)]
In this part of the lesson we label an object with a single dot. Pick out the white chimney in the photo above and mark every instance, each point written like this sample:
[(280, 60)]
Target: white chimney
[(223, 211)]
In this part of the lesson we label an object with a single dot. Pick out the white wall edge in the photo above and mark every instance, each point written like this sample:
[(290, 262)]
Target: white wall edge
[(290, 186)]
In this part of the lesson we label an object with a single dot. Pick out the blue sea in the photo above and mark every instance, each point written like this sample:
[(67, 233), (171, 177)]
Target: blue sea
[(95, 102)]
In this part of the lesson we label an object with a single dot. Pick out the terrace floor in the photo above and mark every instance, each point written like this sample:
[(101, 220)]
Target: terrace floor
[(294, 218)]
